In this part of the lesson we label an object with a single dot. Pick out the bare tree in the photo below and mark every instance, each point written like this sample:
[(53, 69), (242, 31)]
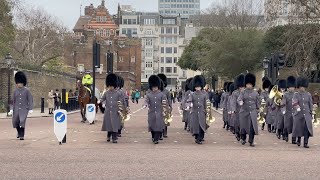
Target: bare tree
[(39, 36)]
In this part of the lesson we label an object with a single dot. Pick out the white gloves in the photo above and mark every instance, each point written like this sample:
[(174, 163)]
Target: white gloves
[(187, 108), (98, 102), (30, 111), (191, 105), (240, 103), (103, 105), (10, 112), (283, 112), (298, 109)]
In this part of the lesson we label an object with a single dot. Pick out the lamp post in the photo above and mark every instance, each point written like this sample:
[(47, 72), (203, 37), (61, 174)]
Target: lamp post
[(9, 61)]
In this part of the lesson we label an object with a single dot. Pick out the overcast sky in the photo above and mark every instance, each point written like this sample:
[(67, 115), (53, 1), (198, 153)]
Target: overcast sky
[(68, 11)]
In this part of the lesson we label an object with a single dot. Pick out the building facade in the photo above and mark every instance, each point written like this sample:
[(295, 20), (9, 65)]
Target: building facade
[(184, 8)]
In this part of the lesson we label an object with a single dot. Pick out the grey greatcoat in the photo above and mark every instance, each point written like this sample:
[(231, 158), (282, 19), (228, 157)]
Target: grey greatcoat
[(111, 119), (270, 111), (235, 108), (280, 117), (186, 113), (288, 109), (224, 102), (155, 113), (276, 111), (22, 104), (230, 119), (198, 111), (125, 98), (302, 100), (249, 110)]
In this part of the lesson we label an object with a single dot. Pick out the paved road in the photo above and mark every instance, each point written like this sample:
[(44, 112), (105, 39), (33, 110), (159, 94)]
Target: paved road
[(87, 155)]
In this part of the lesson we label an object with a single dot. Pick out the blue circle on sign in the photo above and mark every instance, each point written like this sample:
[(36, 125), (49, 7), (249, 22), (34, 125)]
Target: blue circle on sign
[(90, 108), (60, 117)]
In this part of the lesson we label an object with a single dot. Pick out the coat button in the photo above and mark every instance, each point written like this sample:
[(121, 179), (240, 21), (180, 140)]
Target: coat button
[(155, 97), (20, 94), (20, 98)]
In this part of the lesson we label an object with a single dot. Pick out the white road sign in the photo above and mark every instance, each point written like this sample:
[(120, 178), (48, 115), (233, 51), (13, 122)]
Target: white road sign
[(60, 123), (91, 112)]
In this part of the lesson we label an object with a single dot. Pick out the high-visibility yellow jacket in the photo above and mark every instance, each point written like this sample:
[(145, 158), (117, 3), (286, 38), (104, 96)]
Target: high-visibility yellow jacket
[(87, 80)]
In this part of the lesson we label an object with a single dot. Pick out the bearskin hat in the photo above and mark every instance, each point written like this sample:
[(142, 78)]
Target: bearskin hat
[(232, 87), (204, 80), (225, 86), (164, 79), (302, 82), (112, 80), (250, 79), (154, 81), (282, 84), (266, 84), (265, 78), (190, 84), (20, 77), (239, 81), (186, 88), (270, 87), (291, 81), (228, 86), (197, 81)]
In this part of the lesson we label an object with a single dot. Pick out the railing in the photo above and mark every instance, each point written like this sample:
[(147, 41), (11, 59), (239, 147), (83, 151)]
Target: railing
[(72, 104)]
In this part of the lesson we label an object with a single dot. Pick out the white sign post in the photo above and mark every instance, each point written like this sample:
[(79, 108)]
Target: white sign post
[(91, 113), (60, 124)]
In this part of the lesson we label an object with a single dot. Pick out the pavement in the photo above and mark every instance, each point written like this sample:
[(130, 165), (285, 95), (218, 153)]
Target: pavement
[(87, 154), (36, 114)]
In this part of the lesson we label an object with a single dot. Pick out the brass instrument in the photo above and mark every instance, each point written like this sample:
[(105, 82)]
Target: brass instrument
[(314, 116), (123, 112), (166, 112), (209, 118), (261, 118), (276, 94)]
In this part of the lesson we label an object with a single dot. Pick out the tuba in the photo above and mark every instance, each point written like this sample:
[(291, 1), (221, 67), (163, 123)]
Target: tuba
[(123, 112), (276, 94), (166, 112), (315, 121), (261, 118), (209, 118)]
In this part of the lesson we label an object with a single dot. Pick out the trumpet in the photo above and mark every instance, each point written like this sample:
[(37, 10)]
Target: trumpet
[(276, 94), (166, 112), (314, 116), (209, 118), (123, 112)]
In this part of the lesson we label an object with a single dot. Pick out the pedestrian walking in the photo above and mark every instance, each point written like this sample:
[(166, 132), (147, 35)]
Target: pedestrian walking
[(137, 96), (50, 101), (133, 96), (57, 99)]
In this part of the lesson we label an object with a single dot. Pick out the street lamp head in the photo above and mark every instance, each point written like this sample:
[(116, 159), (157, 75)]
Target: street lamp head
[(266, 63), (9, 59)]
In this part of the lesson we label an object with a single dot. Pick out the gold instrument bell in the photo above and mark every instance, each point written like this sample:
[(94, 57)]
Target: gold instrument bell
[(261, 118), (209, 119), (315, 121), (123, 112), (276, 94), (166, 112)]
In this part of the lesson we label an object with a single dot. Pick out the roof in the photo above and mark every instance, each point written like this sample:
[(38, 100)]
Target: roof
[(82, 21)]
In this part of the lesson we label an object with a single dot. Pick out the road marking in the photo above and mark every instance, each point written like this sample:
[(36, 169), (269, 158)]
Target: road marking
[(175, 141), (214, 142), (34, 140), (315, 144), (211, 133), (94, 140), (143, 132), (75, 131), (178, 132), (135, 141), (235, 142), (275, 143), (74, 140), (92, 131), (137, 111), (53, 140)]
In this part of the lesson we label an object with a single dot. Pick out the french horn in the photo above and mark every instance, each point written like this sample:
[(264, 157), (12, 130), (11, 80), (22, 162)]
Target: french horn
[(276, 94), (166, 112), (123, 112)]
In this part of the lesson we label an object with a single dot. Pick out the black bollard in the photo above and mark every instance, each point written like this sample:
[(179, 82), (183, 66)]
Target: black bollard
[(63, 99), (64, 140), (42, 105)]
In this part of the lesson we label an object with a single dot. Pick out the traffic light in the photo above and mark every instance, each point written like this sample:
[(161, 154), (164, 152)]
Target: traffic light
[(281, 61), (96, 55), (109, 62)]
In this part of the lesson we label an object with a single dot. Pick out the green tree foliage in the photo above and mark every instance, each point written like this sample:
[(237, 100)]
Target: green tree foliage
[(6, 27), (224, 52)]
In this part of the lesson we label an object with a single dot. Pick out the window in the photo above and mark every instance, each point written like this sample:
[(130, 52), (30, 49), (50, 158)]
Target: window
[(168, 49), (81, 67), (169, 21), (120, 58), (168, 30), (129, 21), (162, 69), (149, 52), (104, 33), (168, 40), (134, 21), (108, 33), (111, 32), (149, 42), (149, 64), (162, 30), (175, 70), (168, 59), (162, 40), (124, 31), (162, 59), (168, 69), (162, 49), (133, 59), (125, 21), (175, 40), (175, 59), (134, 31), (149, 21), (175, 50), (149, 32), (183, 73), (175, 30)]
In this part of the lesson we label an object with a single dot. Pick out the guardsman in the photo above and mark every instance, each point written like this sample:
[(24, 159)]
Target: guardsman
[(270, 113), (249, 101), (235, 108), (229, 108), (302, 117), (264, 97), (288, 110), (224, 102), (157, 103), (197, 101), (22, 104), (111, 119), (282, 85), (168, 95), (125, 102), (186, 113), (87, 81)]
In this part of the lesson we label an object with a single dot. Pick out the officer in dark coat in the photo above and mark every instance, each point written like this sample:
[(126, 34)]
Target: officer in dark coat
[(264, 97), (197, 101), (111, 119), (249, 101), (155, 100), (230, 122), (282, 85), (224, 102), (168, 95), (302, 117), (22, 104), (287, 109), (186, 113), (235, 107)]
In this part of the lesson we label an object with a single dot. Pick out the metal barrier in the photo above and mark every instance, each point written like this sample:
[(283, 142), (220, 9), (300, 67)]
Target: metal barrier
[(72, 104)]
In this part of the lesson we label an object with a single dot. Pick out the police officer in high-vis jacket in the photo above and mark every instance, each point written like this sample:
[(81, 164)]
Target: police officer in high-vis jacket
[(87, 81)]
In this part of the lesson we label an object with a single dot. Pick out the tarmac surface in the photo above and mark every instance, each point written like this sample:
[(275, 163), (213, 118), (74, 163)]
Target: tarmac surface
[(87, 154)]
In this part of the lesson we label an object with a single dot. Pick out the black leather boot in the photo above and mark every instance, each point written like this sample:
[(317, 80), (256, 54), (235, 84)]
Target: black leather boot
[(299, 141), (305, 142), (263, 124), (294, 140)]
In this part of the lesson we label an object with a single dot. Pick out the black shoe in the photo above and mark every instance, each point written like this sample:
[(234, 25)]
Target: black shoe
[(161, 138), (262, 128), (155, 142), (227, 128), (298, 143), (152, 139), (243, 142), (185, 128), (294, 142), (283, 137), (18, 136), (274, 131), (165, 136), (279, 136), (252, 145), (188, 129), (119, 135), (21, 138), (198, 142), (224, 124), (108, 140), (238, 138), (286, 139), (305, 146), (114, 141)]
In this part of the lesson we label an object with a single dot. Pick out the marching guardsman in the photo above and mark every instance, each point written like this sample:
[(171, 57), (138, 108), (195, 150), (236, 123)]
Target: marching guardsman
[(288, 109), (282, 85), (197, 101), (125, 102), (230, 122), (186, 113), (249, 101), (157, 103), (22, 104), (87, 81), (224, 102), (264, 98), (235, 107), (270, 113), (302, 117), (111, 98), (168, 95)]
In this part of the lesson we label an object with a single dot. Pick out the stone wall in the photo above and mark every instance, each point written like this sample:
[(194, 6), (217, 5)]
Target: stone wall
[(39, 84)]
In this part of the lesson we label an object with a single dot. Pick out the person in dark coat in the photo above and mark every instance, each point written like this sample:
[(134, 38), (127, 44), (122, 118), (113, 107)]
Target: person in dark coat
[(302, 117), (186, 113), (249, 101), (235, 108), (155, 100), (169, 98), (287, 108), (230, 122), (264, 97), (282, 85), (111, 119), (224, 102), (197, 101), (22, 104)]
